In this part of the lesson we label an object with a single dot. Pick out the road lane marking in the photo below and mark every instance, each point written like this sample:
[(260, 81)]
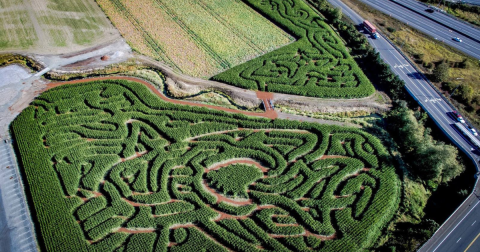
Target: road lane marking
[(459, 239), (471, 243), (426, 22), (473, 223), (466, 46), (456, 227), (421, 88), (401, 65)]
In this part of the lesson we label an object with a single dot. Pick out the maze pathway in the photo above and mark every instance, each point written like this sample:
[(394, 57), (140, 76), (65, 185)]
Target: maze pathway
[(123, 170)]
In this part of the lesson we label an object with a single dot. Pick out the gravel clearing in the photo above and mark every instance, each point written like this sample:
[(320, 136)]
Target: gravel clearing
[(11, 74)]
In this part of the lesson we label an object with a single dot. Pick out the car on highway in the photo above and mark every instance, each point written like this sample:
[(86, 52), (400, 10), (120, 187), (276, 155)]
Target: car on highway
[(430, 10), (474, 131), (457, 39), (458, 117)]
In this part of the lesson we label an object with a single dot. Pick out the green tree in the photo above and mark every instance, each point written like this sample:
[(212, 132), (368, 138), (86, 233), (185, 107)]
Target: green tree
[(321, 4), (428, 159), (336, 13), (440, 73), (404, 125), (465, 93)]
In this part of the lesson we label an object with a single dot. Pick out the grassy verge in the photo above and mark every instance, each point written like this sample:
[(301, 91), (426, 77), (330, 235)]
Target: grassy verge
[(469, 13), (360, 117), (9, 59), (468, 16)]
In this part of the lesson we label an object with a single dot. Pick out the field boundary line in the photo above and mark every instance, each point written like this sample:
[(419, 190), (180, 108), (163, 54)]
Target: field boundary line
[(146, 35), (195, 37)]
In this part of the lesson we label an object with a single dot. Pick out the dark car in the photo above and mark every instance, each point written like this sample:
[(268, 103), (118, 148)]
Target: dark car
[(430, 10)]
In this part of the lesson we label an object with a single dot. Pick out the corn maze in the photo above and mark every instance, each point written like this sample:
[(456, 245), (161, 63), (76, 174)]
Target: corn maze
[(316, 65), (111, 167)]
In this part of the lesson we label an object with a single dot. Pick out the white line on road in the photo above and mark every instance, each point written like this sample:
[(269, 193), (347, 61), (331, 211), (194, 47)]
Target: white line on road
[(459, 239), (16, 206), (21, 221), (455, 226), (473, 223), (25, 245), (26, 239), (28, 232)]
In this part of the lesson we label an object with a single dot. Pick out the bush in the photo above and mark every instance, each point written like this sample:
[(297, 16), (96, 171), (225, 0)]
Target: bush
[(440, 73)]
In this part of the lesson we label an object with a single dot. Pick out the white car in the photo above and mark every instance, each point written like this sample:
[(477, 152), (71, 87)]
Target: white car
[(474, 132)]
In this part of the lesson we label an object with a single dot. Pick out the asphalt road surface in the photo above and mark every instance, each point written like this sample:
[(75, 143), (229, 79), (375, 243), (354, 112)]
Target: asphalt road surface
[(16, 228), (438, 31), (474, 2), (459, 231), (461, 26)]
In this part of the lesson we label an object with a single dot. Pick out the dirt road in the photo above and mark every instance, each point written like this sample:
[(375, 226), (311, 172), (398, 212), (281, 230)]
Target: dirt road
[(313, 104), (269, 114)]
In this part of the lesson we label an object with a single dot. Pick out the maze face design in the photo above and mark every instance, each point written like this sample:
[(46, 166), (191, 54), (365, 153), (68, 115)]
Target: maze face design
[(316, 65), (130, 172)]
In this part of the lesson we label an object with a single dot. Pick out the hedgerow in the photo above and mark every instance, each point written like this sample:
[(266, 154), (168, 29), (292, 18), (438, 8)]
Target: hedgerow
[(317, 65), (80, 148)]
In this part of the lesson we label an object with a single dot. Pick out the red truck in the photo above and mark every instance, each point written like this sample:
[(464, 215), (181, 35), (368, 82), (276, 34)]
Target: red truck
[(370, 28)]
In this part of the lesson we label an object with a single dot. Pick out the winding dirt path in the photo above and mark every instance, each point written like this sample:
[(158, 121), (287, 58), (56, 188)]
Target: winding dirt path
[(237, 161), (221, 198), (269, 114)]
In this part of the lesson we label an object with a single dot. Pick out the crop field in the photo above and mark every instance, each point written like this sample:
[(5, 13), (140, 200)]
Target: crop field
[(318, 64), (52, 26), (199, 38), (122, 170)]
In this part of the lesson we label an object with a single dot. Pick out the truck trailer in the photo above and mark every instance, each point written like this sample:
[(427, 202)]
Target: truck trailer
[(370, 28), (468, 134)]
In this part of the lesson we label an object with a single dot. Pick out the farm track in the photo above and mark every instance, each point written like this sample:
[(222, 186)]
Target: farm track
[(368, 101), (271, 114)]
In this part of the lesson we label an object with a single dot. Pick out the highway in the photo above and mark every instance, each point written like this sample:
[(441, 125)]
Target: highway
[(438, 31), (443, 19), (17, 233), (460, 229), (474, 2)]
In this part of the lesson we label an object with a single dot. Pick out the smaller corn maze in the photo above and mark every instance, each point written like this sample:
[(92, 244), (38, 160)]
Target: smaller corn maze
[(317, 65), (111, 167)]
